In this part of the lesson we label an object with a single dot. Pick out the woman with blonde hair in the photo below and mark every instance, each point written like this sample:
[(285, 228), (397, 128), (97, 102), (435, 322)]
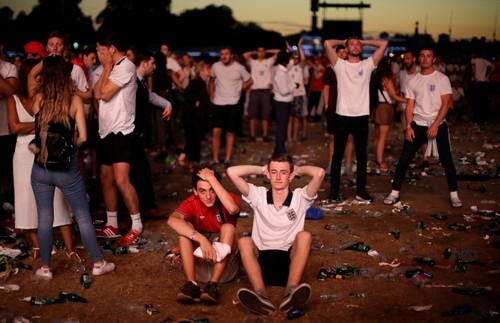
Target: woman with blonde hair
[(57, 111)]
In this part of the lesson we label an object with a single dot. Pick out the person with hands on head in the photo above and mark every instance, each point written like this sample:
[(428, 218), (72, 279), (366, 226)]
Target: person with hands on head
[(277, 252), (206, 224), (353, 107)]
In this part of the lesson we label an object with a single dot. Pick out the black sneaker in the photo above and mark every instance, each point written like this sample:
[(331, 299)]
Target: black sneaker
[(336, 197), (364, 197), (255, 303), (210, 293), (296, 298), (189, 293)]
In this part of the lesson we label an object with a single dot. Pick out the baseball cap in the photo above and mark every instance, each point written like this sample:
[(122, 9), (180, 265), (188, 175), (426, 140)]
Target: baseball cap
[(35, 48)]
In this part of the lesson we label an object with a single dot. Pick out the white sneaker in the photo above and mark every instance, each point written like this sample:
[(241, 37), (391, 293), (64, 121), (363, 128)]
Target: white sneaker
[(222, 250), (105, 267), (44, 273)]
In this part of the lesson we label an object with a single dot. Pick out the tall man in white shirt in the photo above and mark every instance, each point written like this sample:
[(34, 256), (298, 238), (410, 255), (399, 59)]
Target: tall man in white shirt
[(227, 79), (429, 95), (353, 107), (260, 92), (116, 92)]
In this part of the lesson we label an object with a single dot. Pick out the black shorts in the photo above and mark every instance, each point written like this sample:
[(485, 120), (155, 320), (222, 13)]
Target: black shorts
[(225, 117), (275, 266), (259, 104), (117, 148)]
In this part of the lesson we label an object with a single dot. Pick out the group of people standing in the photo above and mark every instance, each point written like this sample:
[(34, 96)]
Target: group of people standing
[(52, 94)]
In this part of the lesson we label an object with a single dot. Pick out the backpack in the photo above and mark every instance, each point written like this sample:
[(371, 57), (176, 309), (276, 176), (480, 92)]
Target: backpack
[(60, 147), (375, 86)]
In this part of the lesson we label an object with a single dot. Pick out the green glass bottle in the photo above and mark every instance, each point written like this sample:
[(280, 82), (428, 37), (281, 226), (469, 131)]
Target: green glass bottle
[(72, 297), (43, 300), (425, 261), (86, 280), (359, 246)]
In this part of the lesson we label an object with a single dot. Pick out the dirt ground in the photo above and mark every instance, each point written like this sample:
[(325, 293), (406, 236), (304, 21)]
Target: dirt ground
[(144, 278)]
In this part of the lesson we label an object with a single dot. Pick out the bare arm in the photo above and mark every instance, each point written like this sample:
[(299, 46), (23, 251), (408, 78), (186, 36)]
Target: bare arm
[(15, 125), (330, 45), (409, 133), (211, 89), (80, 119), (177, 222), (178, 78), (391, 89), (237, 174), (326, 95), (224, 197), (379, 52), (247, 84), (317, 174), (107, 89)]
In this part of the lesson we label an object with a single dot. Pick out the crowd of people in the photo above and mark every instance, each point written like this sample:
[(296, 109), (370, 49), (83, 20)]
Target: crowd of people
[(125, 104)]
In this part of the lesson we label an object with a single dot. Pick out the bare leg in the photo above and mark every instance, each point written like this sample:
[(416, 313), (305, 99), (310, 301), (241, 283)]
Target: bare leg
[(229, 145), (249, 255), (265, 127), (227, 236), (299, 255), (216, 132)]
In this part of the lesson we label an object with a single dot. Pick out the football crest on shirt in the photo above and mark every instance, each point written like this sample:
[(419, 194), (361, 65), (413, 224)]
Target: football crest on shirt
[(432, 87), (219, 217), (292, 216)]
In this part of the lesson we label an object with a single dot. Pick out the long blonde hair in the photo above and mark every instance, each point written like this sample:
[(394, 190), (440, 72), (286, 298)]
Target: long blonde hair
[(56, 91)]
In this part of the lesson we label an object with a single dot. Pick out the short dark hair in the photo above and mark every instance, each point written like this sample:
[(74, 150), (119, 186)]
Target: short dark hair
[(427, 47), (196, 178), (59, 34), (89, 50), (112, 38), (282, 158), (141, 55), (339, 47), (351, 37)]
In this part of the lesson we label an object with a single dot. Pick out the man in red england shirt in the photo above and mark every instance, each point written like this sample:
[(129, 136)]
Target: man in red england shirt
[(206, 224)]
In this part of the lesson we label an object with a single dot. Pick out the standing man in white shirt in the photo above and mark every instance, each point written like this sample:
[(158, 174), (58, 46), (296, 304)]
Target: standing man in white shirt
[(116, 92), (260, 92), (227, 79), (353, 110)]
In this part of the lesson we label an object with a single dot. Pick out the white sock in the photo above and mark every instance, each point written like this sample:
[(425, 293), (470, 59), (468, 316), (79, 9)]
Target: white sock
[(395, 193), (136, 222), (112, 219), (454, 194)]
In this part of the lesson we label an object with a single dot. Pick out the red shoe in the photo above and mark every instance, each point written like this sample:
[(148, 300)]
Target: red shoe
[(131, 238), (107, 232)]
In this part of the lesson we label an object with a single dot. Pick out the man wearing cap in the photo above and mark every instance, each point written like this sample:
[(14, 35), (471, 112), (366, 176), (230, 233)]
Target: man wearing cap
[(34, 49)]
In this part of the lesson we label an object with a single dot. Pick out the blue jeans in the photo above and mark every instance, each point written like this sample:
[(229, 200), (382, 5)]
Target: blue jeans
[(71, 184)]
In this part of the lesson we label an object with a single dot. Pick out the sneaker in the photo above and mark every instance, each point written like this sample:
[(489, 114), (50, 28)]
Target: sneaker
[(390, 199), (364, 197), (336, 197), (189, 293), (455, 202), (296, 298), (131, 238), (227, 164), (104, 268), (44, 273), (255, 303), (210, 293), (107, 232)]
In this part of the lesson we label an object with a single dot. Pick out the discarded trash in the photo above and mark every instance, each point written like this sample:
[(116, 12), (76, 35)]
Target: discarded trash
[(425, 261), (86, 280), (42, 300), (359, 246), (472, 291), (420, 308), (447, 253), (9, 287), (459, 310), (332, 297), (336, 227), (72, 297), (357, 295), (396, 233), (439, 216)]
